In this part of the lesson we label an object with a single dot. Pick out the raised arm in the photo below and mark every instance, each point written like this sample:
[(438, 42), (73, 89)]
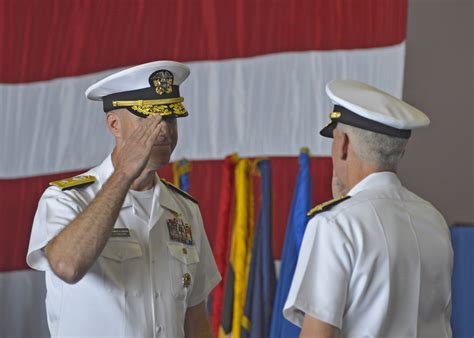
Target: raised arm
[(76, 248)]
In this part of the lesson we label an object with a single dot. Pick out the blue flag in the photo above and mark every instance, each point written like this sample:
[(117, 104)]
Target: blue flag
[(297, 220), (184, 182), (462, 238), (261, 283), (181, 171)]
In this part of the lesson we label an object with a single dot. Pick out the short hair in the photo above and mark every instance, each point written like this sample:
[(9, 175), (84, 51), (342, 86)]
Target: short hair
[(382, 151)]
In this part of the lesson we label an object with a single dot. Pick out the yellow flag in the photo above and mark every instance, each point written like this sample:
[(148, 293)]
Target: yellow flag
[(242, 240), (240, 252)]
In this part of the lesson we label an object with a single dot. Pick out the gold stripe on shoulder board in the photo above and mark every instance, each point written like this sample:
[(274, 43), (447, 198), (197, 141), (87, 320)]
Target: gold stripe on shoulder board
[(178, 190), (74, 182), (326, 205)]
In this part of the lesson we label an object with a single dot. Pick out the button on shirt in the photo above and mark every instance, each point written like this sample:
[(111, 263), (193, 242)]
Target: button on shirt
[(376, 265), (136, 286)]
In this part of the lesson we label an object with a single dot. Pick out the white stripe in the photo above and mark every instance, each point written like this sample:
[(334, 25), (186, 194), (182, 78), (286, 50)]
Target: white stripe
[(22, 305), (267, 105)]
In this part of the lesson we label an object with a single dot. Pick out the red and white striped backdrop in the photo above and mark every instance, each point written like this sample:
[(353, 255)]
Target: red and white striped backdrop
[(258, 70)]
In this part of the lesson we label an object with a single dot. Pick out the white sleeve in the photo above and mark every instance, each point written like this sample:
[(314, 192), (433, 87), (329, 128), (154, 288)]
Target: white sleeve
[(56, 209), (207, 274), (321, 280)]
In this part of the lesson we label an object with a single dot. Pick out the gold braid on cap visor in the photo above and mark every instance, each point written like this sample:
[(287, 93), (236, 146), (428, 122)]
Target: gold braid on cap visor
[(151, 107)]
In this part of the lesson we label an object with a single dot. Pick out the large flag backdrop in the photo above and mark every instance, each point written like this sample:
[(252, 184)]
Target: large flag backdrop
[(256, 87)]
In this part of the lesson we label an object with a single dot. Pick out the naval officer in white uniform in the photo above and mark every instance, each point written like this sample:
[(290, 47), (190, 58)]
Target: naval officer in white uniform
[(377, 260), (125, 253)]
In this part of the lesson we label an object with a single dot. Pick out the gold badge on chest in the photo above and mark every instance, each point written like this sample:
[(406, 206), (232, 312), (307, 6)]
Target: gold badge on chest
[(179, 231), (186, 280)]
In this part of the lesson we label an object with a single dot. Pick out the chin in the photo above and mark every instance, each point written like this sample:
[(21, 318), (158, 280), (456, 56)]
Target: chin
[(159, 158)]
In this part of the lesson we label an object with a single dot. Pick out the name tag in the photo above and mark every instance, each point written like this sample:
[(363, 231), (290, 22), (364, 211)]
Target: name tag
[(122, 232)]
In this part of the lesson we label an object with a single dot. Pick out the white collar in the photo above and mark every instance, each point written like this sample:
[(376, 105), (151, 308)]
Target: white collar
[(380, 179), (105, 169)]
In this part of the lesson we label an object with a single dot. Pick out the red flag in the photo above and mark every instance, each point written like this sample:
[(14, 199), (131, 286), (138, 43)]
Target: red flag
[(223, 235)]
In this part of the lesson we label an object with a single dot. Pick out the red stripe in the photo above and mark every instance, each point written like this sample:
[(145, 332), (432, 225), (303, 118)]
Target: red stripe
[(19, 199), (45, 39)]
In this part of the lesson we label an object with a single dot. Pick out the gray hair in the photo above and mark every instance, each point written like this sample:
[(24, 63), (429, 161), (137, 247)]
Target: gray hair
[(380, 150)]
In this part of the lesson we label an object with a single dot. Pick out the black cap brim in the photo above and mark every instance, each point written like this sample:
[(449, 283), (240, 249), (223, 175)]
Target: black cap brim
[(350, 118), (327, 131)]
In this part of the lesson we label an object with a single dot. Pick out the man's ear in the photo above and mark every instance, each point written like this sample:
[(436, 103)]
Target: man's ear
[(344, 146), (112, 119), (341, 144)]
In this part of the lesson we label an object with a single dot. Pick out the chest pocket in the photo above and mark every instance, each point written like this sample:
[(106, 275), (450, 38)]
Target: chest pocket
[(120, 263), (182, 264)]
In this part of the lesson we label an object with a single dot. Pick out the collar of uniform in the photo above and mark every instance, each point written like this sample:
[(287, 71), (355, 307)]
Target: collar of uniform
[(166, 198), (383, 178), (105, 169)]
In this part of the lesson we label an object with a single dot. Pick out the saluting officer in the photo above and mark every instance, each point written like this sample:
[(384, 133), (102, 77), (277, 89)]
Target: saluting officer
[(125, 253)]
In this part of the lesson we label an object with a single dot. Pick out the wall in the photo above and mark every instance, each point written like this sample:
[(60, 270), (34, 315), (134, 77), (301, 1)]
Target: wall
[(438, 164)]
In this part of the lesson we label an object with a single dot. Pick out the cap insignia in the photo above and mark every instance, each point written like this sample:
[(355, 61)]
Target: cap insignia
[(162, 80)]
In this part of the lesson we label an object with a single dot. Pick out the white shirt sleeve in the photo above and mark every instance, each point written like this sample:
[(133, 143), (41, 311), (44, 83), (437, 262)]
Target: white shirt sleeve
[(56, 209), (207, 274), (321, 280)]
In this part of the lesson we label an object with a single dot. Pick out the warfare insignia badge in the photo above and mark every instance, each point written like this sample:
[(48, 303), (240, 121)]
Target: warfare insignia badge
[(186, 280), (162, 80), (179, 231)]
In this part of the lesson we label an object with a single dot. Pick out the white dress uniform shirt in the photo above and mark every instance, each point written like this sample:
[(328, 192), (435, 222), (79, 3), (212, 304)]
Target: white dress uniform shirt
[(140, 285), (376, 265)]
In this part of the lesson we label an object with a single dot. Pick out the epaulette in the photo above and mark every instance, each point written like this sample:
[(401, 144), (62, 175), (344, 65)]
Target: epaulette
[(326, 205), (74, 182), (178, 190)]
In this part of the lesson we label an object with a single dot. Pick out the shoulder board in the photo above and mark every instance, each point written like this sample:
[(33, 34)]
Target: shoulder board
[(74, 182), (178, 190), (326, 205)]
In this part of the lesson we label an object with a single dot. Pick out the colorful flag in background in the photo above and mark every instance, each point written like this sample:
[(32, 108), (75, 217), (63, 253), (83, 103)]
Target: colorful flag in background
[(223, 234), (181, 170), (262, 280), (242, 238), (297, 220)]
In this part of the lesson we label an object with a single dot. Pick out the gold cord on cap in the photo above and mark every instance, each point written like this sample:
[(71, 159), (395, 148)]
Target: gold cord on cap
[(141, 103)]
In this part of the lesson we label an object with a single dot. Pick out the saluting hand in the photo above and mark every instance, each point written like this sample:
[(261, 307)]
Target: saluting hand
[(136, 149)]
